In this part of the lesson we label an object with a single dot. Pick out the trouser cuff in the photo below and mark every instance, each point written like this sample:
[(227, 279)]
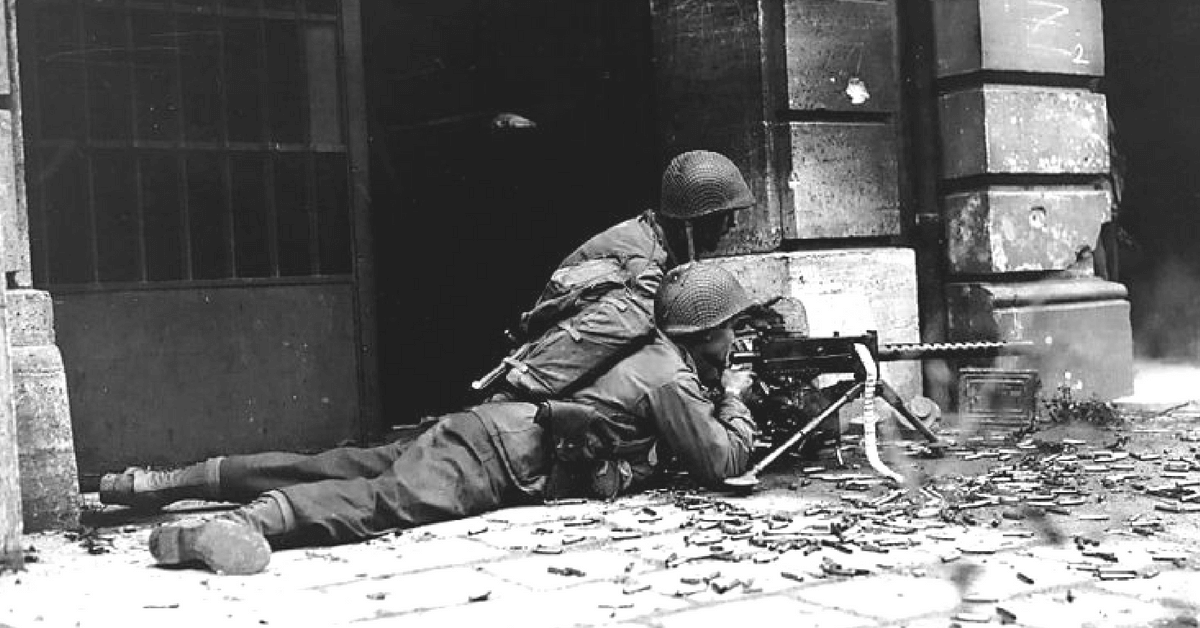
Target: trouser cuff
[(212, 478), (285, 509)]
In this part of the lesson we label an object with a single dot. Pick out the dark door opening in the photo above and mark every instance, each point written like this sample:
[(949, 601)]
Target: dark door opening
[(471, 212), (1153, 59)]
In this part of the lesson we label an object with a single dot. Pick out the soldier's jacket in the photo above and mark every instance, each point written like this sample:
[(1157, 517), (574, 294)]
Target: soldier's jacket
[(597, 308), (638, 245), (654, 393)]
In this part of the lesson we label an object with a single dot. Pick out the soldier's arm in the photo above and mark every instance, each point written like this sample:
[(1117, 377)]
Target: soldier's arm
[(714, 441)]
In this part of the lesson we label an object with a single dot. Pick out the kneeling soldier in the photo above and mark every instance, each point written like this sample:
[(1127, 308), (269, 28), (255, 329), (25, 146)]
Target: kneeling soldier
[(604, 440)]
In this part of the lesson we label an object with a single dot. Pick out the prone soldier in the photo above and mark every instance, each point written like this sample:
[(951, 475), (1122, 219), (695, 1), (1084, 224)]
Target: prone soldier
[(600, 442)]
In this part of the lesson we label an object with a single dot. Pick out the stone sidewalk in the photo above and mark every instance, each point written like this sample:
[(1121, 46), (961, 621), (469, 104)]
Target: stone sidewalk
[(1116, 544)]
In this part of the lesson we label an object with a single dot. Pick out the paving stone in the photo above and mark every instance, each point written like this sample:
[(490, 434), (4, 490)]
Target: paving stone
[(1177, 589), (778, 610), (597, 603), (774, 501), (1090, 608), (658, 548), (533, 571), (694, 580), (307, 568), (529, 537), (885, 597), (1001, 575), (436, 588), (470, 526), (604, 602), (546, 514), (665, 519)]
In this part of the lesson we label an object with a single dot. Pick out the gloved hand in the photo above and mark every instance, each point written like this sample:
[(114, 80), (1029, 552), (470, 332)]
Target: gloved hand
[(737, 380)]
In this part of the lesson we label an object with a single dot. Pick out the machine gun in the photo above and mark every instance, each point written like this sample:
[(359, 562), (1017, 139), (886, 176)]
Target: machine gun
[(786, 364)]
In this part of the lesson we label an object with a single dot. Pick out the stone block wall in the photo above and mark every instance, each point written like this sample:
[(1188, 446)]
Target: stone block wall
[(848, 291), (1024, 145)]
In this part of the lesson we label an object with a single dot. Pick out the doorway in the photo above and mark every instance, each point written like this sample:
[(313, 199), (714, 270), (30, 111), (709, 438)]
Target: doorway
[(1153, 59), (503, 134)]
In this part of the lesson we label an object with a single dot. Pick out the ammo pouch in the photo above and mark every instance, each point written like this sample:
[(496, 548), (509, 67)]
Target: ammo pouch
[(587, 460)]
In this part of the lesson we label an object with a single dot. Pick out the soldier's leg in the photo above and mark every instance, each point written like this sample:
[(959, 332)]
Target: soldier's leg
[(452, 471), (244, 477)]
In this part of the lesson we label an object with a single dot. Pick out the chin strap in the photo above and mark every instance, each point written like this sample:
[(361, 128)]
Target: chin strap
[(691, 242)]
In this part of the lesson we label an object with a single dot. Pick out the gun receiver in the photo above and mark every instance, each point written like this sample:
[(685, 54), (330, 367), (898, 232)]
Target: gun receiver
[(787, 363)]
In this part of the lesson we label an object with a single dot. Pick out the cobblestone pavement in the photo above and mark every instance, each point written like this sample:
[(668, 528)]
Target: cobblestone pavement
[(1077, 526)]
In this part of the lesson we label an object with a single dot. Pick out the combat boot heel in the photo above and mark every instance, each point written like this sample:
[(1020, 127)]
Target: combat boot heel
[(234, 543), (224, 546)]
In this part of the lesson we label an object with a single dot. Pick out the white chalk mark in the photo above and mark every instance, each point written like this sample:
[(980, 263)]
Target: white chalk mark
[(1058, 9), (1079, 58)]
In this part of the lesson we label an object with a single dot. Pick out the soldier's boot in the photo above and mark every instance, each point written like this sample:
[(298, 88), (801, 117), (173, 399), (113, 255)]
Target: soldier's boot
[(143, 488), (234, 543)]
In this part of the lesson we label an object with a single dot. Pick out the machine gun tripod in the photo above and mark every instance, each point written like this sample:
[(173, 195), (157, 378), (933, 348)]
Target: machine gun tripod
[(784, 361)]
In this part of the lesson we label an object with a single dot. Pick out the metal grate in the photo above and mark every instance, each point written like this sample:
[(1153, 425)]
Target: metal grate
[(185, 140)]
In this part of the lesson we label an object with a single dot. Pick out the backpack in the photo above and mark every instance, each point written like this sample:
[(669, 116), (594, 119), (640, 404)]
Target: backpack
[(587, 319)]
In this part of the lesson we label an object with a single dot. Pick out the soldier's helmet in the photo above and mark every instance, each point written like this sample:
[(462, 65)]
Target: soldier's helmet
[(701, 182), (696, 297)]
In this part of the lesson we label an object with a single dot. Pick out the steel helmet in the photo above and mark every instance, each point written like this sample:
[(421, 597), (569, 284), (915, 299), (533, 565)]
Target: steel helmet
[(696, 297), (701, 182)]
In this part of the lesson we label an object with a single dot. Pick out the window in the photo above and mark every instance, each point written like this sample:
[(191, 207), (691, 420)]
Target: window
[(184, 140)]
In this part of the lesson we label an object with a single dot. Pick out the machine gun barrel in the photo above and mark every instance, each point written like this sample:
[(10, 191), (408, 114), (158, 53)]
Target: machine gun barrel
[(918, 351)]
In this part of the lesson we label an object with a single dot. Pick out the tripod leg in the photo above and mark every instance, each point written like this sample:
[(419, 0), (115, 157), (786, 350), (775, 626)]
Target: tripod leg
[(889, 395), (808, 428)]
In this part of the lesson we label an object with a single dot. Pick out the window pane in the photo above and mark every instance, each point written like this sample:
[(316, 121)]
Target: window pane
[(285, 82), (250, 218), (60, 74), (281, 5), (164, 228), (244, 5), (108, 75), (292, 215), (243, 71), (117, 234), (200, 58), (324, 102), (333, 214), (324, 7), (154, 67), (208, 215), (62, 186)]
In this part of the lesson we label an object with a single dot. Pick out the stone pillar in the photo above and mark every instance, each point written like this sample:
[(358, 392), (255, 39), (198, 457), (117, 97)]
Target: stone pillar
[(804, 96), (1024, 155), (49, 477), (10, 486), (38, 390)]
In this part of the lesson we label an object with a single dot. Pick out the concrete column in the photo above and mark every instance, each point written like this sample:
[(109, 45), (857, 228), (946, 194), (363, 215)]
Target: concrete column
[(1024, 155), (10, 487), (37, 390)]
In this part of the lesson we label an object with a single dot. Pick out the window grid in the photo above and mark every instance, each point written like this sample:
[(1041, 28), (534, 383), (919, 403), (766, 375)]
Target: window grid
[(170, 215)]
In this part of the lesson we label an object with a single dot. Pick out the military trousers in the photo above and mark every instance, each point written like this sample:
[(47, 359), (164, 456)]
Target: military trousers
[(456, 468)]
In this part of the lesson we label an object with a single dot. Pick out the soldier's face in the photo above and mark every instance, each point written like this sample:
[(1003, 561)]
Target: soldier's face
[(710, 230), (711, 353)]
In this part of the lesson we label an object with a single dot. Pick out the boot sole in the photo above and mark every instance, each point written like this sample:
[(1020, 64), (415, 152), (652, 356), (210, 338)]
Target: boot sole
[(224, 546)]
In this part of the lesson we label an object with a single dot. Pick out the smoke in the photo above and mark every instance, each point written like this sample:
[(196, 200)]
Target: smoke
[(1166, 311)]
